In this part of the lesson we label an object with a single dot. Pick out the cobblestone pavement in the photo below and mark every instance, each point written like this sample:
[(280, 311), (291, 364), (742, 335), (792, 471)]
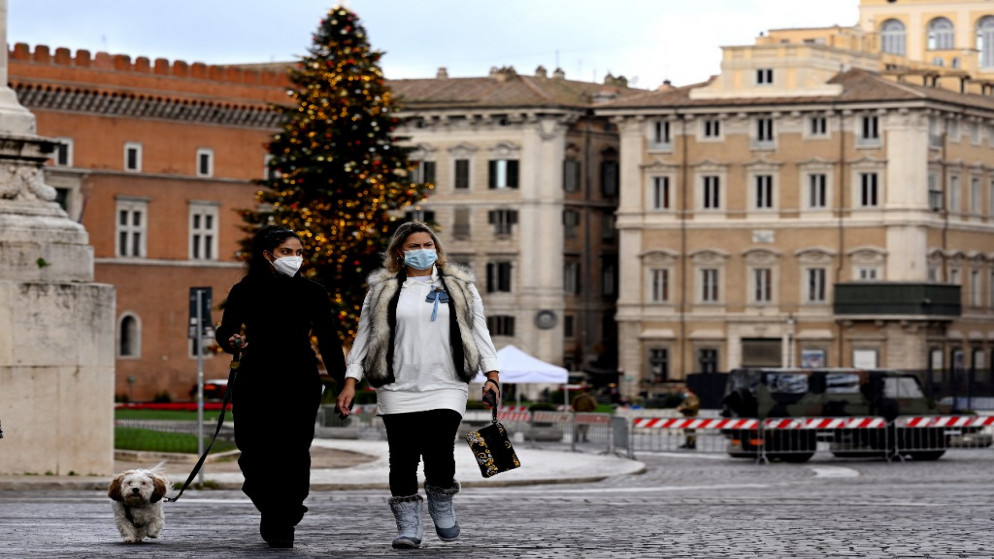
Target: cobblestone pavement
[(683, 506)]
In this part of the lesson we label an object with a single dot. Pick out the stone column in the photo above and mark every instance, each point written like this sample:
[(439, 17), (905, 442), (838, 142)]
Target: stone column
[(56, 325)]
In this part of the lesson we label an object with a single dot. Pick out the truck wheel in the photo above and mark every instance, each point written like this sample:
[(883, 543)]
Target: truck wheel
[(926, 455), (798, 458)]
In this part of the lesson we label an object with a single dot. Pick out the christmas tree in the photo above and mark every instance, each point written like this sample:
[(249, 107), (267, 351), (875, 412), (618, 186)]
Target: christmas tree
[(337, 172)]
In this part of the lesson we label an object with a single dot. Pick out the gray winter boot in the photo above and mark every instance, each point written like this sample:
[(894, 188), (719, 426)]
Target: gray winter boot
[(407, 513), (441, 511)]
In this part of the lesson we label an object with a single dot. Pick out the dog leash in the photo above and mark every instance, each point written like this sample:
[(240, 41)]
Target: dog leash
[(235, 359)]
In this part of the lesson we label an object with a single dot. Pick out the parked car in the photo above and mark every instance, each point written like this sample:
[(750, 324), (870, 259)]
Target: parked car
[(214, 389)]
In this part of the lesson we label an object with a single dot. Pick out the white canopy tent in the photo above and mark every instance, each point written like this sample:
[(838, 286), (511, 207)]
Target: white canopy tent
[(518, 367)]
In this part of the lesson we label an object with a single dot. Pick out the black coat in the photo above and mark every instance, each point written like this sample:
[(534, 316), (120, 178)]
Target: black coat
[(278, 315)]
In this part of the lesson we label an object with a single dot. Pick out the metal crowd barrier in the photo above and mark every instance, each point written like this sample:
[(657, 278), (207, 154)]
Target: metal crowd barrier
[(798, 439), (928, 437)]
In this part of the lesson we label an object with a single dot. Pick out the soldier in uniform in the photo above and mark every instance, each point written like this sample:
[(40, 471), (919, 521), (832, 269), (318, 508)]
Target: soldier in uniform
[(584, 402), (689, 408)]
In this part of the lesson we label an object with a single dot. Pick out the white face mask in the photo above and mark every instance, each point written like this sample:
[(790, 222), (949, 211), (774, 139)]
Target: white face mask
[(288, 265)]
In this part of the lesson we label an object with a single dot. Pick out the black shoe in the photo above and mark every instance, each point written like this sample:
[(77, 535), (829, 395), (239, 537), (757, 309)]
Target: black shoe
[(276, 534)]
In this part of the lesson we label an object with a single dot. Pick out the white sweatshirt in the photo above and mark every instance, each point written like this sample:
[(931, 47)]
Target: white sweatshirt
[(425, 377)]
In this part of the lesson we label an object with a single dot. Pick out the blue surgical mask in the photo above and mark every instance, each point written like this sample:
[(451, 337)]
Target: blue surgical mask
[(420, 259)]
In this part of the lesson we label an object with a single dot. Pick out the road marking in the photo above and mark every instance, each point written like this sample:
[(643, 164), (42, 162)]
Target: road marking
[(834, 471)]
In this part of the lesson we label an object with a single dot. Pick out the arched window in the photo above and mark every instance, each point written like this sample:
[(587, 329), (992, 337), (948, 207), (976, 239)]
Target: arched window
[(940, 34), (985, 41), (129, 337), (892, 37)]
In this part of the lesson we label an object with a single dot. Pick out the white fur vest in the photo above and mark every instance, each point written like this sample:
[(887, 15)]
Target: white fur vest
[(384, 292)]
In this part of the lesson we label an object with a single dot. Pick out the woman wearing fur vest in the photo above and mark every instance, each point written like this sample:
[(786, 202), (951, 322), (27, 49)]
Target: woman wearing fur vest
[(422, 337)]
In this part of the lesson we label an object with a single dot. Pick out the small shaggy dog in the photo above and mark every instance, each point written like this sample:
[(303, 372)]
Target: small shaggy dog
[(137, 496)]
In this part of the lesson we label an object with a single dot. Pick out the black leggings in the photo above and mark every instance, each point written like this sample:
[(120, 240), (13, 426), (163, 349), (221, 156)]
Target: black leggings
[(429, 434)]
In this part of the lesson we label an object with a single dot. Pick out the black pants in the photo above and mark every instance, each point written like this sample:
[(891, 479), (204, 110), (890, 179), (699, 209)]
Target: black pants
[(428, 434), (274, 428)]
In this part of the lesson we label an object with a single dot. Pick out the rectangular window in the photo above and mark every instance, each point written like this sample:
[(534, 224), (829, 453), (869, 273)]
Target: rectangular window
[(816, 285), (133, 157), (954, 276), (461, 223), (711, 197), (500, 325), (933, 273), (868, 190), (661, 132), (498, 277), (62, 157), (205, 162), (420, 214), (659, 365), (425, 172), (569, 330), (502, 173), (764, 192), (571, 175), (762, 285), (818, 126), (764, 131), (659, 285), (974, 134), (503, 221), (817, 190), (131, 228), (975, 288), (709, 285), (571, 222), (934, 193), (954, 195), (707, 360), (203, 230), (571, 277), (609, 179), (461, 174), (869, 129), (867, 274), (976, 204), (269, 170), (764, 76), (660, 193), (711, 128), (609, 274)]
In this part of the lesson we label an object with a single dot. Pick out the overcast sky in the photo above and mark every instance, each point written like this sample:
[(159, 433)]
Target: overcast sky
[(647, 41)]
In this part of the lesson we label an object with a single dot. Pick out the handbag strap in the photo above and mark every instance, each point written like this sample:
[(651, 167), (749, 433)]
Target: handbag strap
[(496, 400), (220, 421)]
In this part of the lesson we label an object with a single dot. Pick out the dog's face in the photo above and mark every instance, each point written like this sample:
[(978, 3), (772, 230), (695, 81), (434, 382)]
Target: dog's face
[(138, 487)]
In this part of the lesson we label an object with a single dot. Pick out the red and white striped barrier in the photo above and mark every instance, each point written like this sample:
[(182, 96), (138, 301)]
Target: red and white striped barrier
[(686, 423), (944, 421), (513, 408), (825, 423), (592, 419), (513, 415)]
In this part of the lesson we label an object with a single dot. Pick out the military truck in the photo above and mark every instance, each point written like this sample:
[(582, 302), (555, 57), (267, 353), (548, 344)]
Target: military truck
[(765, 393)]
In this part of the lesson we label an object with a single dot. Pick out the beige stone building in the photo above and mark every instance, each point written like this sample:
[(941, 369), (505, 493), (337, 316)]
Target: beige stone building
[(817, 203), (526, 186)]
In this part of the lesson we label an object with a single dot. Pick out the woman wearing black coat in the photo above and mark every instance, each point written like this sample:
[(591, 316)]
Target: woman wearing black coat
[(270, 316)]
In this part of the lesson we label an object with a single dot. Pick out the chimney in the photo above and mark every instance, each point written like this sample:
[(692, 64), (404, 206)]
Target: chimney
[(442, 73), (541, 72)]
